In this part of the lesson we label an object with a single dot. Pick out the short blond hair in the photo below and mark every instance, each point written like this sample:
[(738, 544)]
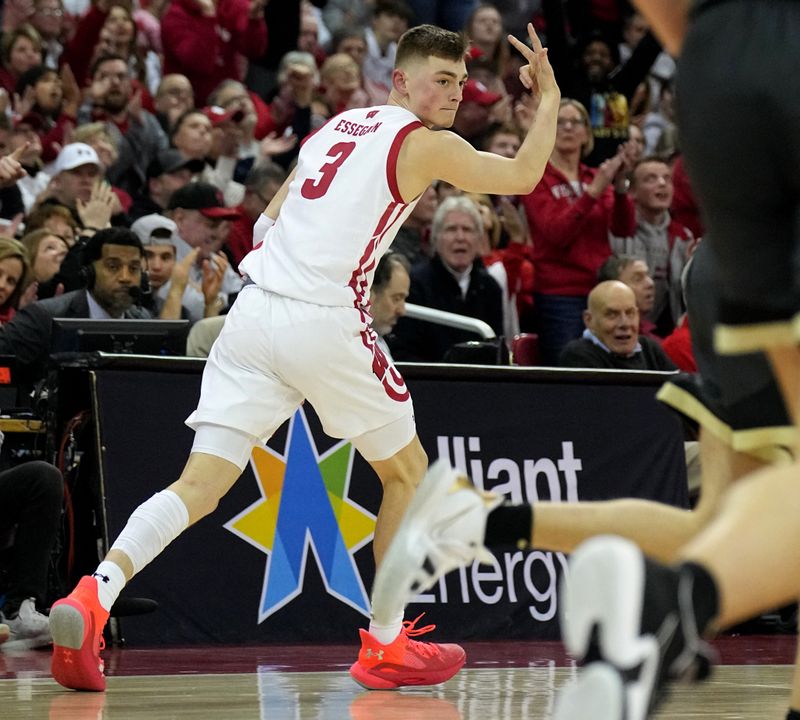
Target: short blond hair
[(588, 146), (337, 63)]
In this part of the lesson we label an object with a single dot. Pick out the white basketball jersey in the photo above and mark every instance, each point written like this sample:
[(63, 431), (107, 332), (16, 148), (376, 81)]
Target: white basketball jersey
[(342, 211)]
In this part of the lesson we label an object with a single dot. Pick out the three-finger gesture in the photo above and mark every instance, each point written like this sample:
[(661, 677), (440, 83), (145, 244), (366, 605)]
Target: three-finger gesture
[(537, 76)]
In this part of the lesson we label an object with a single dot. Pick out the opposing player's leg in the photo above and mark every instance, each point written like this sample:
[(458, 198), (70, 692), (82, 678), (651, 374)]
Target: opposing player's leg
[(787, 369), (640, 624)]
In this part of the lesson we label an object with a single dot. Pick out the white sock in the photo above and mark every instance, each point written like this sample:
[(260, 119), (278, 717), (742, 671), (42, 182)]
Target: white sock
[(151, 527), (385, 634), (110, 581)]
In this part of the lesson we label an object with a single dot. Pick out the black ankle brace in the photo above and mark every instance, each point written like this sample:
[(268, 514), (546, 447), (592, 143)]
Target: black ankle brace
[(510, 525), (793, 714), (705, 596)]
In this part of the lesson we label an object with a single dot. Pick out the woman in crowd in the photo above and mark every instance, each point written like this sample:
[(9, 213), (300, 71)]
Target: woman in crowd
[(569, 214), (46, 251), (484, 29), (13, 272), (58, 219), (20, 50), (107, 28)]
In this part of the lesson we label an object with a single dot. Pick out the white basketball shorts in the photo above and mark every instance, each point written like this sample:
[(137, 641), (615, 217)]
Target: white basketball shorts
[(274, 352)]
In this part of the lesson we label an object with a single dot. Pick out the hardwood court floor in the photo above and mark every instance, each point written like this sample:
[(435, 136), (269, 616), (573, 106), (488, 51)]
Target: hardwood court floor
[(509, 680)]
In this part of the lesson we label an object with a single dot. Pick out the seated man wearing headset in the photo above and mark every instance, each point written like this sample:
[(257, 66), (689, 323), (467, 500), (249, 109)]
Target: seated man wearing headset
[(112, 268)]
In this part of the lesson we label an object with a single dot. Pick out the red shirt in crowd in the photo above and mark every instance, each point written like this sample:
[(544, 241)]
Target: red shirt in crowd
[(207, 49), (570, 231)]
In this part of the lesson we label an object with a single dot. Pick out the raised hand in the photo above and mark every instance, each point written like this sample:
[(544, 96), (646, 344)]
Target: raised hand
[(537, 76), (97, 211), (525, 110), (135, 106), (213, 274), (273, 144), (181, 270), (29, 295), (71, 91), (606, 174), (11, 168), (98, 90), (512, 222), (24, 104), (11, 229), (501, 111), (16, 12)]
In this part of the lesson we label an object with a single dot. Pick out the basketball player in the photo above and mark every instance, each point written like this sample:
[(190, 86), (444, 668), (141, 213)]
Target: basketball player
[(642, 624), (300, 330), (746, 560)]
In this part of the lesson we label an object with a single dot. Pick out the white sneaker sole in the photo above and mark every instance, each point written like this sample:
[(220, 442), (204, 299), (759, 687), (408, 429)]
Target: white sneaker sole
[(602, 601), (598, 693), (401, 570)]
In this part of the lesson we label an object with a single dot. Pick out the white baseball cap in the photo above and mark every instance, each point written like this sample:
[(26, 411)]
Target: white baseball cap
[(147, 224), (74, 155)]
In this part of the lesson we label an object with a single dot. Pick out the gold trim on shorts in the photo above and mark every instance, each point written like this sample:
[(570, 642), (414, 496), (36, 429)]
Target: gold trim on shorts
[(770, 444), (755, 337)]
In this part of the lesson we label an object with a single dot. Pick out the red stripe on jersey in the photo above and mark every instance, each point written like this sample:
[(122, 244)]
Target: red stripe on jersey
[(393, 383), (358, 282), (394, 153)]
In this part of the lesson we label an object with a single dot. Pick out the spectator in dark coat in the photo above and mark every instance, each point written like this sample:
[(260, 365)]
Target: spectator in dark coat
[(611, 339), (454, 280)]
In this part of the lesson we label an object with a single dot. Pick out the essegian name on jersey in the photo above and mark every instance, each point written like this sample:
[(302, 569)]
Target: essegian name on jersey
[(356, 129), (517, 570)]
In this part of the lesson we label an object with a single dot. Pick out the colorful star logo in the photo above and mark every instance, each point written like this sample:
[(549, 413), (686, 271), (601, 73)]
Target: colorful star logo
[(304, 505)]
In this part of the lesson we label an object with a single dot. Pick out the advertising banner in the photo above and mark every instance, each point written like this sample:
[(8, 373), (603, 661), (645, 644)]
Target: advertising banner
[(287, 555)]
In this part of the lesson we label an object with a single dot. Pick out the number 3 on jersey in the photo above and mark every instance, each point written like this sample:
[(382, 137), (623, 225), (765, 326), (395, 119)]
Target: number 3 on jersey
[(311, 190)]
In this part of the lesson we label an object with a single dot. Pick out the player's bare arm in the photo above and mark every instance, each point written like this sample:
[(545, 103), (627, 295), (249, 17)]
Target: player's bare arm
[(429, 155), (668, 19), (274, 207)]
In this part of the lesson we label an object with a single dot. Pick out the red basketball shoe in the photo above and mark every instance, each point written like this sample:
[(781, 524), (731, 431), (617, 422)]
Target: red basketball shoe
[(77, 622), (405, 661)]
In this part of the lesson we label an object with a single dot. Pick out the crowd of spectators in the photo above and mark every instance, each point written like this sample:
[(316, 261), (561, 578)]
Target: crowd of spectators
[(113, 107)]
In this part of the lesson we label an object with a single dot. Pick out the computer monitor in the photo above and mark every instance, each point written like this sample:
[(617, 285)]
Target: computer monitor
[(138, 337)]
